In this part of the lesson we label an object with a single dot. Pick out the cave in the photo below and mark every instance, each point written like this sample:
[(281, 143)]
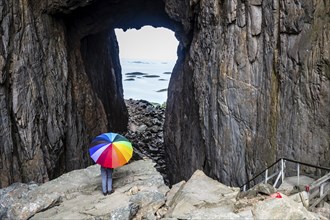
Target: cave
[(251, 84), (94, 43), (100, 50), (93, 81)]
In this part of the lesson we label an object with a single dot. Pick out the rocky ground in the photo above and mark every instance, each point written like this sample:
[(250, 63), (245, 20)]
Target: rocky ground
[(141, 191), (145, 131)]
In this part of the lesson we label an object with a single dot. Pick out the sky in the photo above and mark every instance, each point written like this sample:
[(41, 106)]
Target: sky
[(147, 43)]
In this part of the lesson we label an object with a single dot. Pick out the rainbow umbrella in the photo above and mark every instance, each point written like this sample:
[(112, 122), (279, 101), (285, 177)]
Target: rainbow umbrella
[(111, 150)]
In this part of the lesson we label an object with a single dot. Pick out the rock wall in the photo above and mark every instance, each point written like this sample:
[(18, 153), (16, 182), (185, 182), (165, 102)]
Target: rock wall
[(256, 80), (48, 106), (251, 84)]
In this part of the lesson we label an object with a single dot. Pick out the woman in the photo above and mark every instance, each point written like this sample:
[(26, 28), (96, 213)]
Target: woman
[(106, 174)]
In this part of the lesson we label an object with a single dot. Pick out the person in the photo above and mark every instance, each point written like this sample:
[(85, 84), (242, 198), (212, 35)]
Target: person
[(106, 174)]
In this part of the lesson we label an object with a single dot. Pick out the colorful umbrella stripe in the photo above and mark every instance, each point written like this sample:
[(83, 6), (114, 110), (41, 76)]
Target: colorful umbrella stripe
[(111, 150)]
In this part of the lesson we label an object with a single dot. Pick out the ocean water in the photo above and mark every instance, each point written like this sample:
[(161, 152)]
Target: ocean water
[(146, 79)]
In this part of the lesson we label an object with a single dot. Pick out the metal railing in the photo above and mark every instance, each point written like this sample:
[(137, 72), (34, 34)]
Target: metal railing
[(317, 188), (320, 190)]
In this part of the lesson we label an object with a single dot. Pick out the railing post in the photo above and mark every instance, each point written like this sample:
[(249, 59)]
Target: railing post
[(277, 178), (282, 169), (244, 188), (321, 190), (298, 173), (322, 193), (266, 176)]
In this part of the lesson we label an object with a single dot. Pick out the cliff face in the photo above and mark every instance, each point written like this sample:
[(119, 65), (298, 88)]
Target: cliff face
[(54, 83), (251, 83), (254, 86)]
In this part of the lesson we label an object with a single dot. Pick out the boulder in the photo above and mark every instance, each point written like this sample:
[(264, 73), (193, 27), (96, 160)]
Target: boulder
[(262, 188), (324, 211), (21, 201), (203, 197), (281, 208), (175, 188), (301, 197), (291, 186)]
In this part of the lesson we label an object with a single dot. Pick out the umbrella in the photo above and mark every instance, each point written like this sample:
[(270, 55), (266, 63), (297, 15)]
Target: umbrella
[(111, 150)]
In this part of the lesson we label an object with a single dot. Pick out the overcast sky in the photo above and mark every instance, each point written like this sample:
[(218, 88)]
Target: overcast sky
[(147, 43)]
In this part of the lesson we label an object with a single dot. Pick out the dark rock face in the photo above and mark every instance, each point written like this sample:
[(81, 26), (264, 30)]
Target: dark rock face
[(49, 107), (254, 87), (251, 84)]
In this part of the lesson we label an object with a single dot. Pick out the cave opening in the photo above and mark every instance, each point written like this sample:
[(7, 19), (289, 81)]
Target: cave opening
[(147, 58), (95, 26), (78, 37), (100, 55)]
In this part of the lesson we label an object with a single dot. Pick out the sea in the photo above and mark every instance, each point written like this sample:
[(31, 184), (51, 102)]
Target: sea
[(146, 79)]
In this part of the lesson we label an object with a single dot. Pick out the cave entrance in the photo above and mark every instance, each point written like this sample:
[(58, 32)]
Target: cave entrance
[(147, 58), (94, 27)]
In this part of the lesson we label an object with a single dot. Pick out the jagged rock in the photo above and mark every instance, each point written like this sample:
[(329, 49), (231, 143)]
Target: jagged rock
[(261, 188), (139, 192), (282, 208), (203, 197), (290, 185), (170, 195), (301, 197), (21, 201), (324, 211)]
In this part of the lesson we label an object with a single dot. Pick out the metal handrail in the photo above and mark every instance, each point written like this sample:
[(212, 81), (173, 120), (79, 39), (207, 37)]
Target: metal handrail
[(287, 159), (260, 173), (307, 164)]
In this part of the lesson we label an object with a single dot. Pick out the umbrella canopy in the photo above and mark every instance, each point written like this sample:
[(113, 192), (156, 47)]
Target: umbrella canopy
[(111, 150)]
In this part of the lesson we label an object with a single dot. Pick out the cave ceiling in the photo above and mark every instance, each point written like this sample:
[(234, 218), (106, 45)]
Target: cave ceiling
[(105, 14)]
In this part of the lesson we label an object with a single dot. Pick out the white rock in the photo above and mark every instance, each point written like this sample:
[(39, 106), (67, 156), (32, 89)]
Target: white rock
[(175, 188), (281, 208), (203, 197)]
